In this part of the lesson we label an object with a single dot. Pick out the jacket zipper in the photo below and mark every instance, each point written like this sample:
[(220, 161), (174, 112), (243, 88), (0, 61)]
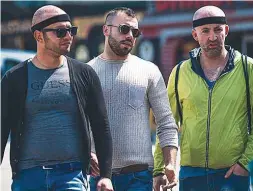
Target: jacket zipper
[(208, 126), (210, 91)]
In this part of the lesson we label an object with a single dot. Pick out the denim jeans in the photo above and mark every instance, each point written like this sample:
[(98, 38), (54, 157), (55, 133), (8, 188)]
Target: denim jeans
[(137, 181), (216, 182), (50, 179), (251, 175)]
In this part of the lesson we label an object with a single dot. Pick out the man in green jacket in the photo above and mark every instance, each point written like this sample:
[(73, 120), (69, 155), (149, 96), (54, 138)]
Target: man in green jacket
[(214, 109)]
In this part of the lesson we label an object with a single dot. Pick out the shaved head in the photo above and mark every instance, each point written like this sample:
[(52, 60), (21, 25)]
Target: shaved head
[(46, 12), (208, 11), (210, 30)]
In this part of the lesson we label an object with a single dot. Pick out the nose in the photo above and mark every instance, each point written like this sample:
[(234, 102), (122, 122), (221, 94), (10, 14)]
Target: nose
[(69, 34), (212, 36), (129, 35)]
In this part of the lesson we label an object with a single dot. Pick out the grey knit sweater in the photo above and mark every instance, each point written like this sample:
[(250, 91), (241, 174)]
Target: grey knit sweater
[(131, 87)]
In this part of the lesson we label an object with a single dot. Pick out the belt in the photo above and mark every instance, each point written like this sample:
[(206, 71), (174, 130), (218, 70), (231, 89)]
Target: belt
[(130, 169), (64, 166)]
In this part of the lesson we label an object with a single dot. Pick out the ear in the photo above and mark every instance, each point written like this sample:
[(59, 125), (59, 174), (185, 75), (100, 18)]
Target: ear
[(226, 30), (194, 34), (38, 36), (106, 30)]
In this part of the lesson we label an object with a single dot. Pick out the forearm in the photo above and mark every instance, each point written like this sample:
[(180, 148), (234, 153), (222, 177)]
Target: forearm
[(104, 155), (169, 155), (158, 159), (103, 143), (105, 159)]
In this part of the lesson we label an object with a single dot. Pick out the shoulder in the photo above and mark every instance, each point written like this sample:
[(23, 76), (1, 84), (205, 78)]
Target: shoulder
[(17, 69), (250, 61), (238, 59), (92, 62), (80, 67), (182, 66), (77, 64), (144, 66), (82, 70), (142, 62)]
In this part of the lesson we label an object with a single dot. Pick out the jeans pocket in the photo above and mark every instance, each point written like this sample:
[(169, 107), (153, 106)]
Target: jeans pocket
[(136, 96), (238, 182), (240, 176), (144, 176)]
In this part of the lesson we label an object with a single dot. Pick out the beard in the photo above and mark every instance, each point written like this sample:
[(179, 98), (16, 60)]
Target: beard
[(212, 52), (115, 46)]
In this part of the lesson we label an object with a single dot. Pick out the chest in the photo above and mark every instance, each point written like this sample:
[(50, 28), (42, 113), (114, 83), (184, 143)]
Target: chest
[(120, 78), (212, 74)]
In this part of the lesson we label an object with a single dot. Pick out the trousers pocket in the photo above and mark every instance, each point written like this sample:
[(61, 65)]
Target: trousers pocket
[(143, 176), (136, 96)]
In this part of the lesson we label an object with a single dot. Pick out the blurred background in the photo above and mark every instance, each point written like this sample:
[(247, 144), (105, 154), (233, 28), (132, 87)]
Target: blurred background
[(166, 27), (166, 39)]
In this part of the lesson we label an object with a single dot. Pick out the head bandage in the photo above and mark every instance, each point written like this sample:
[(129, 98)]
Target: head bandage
[(209, 20), (55, 19)]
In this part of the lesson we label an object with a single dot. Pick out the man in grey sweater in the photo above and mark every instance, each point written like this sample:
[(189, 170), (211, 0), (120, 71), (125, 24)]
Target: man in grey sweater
[(132, 86)]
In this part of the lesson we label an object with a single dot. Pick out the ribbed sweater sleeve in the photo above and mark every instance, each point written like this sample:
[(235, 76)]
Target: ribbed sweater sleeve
[(167, 129)]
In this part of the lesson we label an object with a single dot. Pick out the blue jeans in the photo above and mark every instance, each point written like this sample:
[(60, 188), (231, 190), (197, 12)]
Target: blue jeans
[(137, 181), (216, 182), (251, 174), (57, 178)]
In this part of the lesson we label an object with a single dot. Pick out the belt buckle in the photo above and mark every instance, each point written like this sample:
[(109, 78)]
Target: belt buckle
[(46, 168)]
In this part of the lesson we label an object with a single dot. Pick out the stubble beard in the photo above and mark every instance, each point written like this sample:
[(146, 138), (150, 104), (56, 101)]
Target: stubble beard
[(212, 52), (50, 46), (115, 46)]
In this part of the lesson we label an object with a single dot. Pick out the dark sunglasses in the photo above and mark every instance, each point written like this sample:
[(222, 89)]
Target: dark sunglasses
[(61, 32), (124, 29)]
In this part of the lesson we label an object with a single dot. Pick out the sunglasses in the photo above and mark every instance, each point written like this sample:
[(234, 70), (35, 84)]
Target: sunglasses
[(124, 29), (61, 32)]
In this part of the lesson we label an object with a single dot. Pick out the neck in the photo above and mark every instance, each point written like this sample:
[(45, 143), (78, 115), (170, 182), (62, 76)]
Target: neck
[(214, 62), (45, 60)]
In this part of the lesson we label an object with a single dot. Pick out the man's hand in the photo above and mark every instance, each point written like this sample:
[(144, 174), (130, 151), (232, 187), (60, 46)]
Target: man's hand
[(104, 184), (94, 165), (237, 170), (159, 181), (170, 155), (170, 173)]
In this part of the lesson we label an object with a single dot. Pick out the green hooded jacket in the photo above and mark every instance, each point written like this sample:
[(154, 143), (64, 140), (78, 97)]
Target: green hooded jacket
[(214, 131)]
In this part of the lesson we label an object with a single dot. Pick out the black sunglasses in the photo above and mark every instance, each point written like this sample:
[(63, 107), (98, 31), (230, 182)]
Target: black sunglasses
[(61, 32), (124, 29)]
